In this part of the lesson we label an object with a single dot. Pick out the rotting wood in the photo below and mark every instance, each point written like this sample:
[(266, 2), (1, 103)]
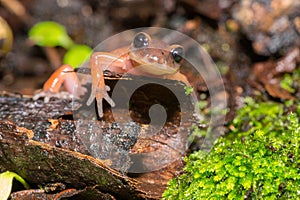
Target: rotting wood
[(38, 141)]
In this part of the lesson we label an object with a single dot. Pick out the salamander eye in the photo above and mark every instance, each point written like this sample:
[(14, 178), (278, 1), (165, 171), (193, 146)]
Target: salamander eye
[(177, 53), (141, 40)]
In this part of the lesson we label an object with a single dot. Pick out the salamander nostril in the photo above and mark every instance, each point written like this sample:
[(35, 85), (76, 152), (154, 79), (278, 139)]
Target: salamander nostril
[(161, 61)]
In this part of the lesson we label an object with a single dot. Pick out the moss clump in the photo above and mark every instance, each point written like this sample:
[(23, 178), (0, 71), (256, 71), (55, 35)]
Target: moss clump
[(252, 165), (269, 117), (291, 81)]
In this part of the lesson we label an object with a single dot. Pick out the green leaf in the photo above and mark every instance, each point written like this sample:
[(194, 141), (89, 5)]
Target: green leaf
[(50, 34), (6, 181), (77, 55)]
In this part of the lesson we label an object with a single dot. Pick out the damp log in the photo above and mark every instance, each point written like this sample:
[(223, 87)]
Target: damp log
[(39, 141)]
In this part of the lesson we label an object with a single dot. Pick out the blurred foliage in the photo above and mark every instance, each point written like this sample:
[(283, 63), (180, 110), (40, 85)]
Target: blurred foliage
[(258, 159), (76, 55), (6, 37), (6, 182), (52, 34)]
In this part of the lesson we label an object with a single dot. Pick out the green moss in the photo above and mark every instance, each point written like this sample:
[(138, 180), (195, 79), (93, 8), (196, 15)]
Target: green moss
[(269, 117), (291, 81), (259, 158), (188, 90)]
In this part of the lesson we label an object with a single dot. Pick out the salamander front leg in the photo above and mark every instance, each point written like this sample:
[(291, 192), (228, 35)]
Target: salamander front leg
[(99, 89)]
